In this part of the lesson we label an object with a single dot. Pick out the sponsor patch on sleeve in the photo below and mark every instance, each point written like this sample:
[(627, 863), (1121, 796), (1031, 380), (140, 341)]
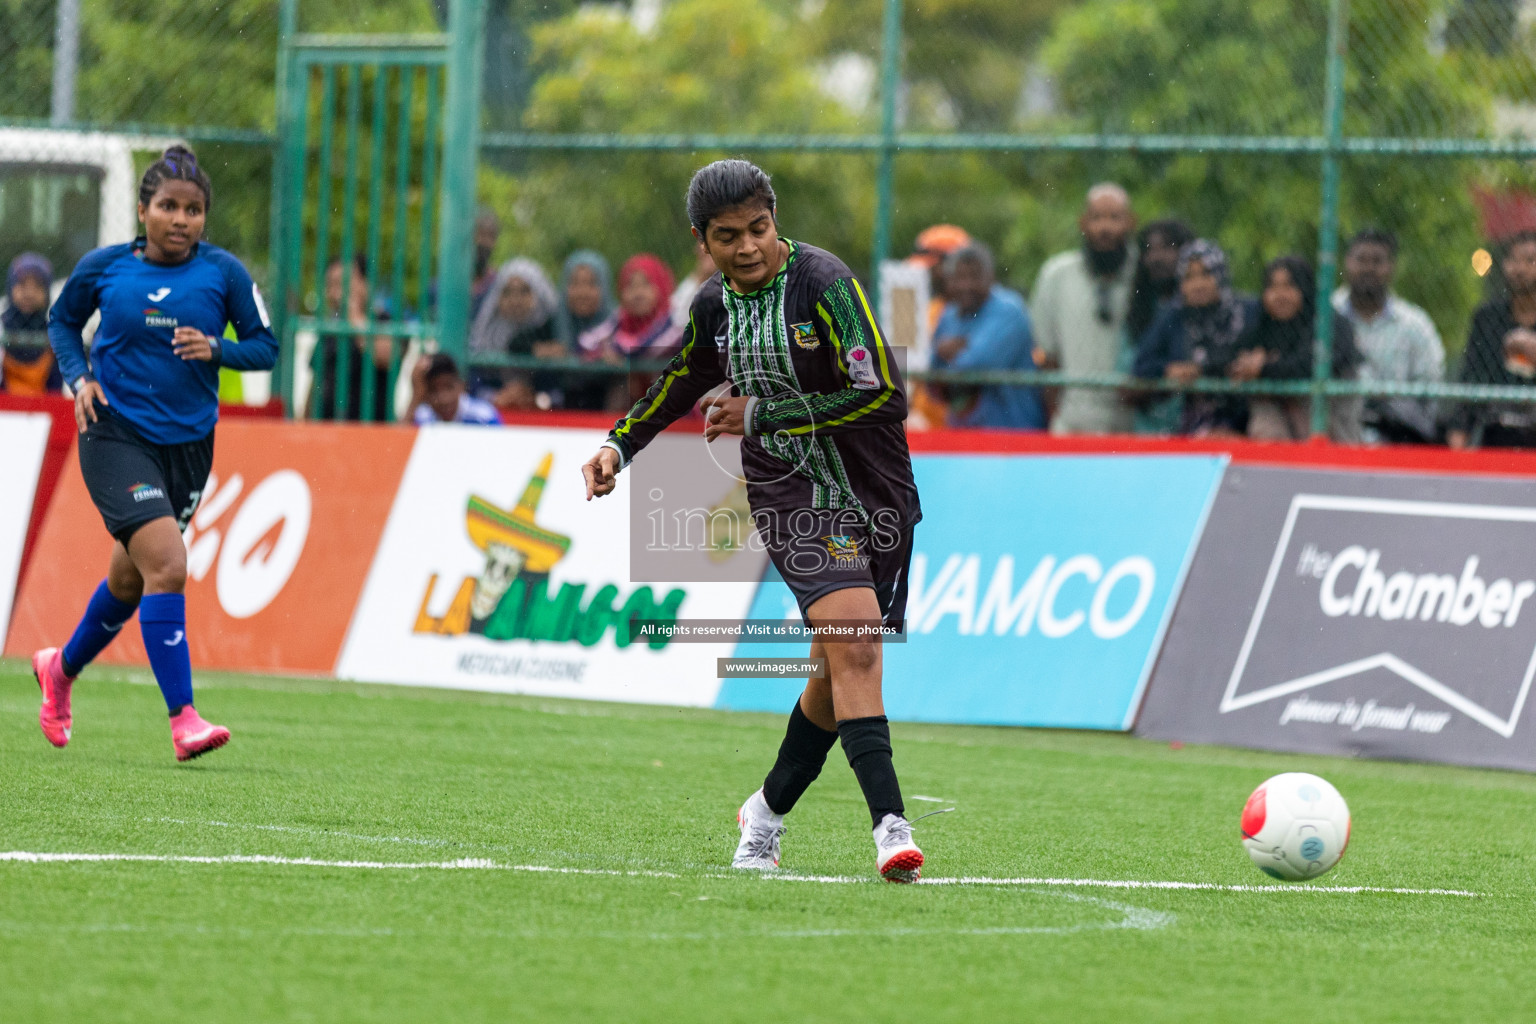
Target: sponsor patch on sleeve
[(861, 368)]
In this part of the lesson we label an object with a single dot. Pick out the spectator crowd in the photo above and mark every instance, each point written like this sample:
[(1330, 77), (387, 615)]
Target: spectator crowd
[(1157, 304)]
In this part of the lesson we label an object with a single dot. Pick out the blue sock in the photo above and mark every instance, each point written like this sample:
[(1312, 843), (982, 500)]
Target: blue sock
[(103, 618), (163, 621)]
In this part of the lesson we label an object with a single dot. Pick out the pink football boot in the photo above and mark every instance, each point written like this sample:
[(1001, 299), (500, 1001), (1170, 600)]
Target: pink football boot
[(194, 737), (54, 717)]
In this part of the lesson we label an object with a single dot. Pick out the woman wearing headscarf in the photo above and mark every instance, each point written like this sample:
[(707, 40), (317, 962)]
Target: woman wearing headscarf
[(1283, 334), (586, 292), (641, 329), (517, 319), (27, 365), (586, 295), (1197, 336)]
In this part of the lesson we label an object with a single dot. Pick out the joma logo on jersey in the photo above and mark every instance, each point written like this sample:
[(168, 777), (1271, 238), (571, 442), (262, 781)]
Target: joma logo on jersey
[(145, 492), (158, 318), (805, 336)]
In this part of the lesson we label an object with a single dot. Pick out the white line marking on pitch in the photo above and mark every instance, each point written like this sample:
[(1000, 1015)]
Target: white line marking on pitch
[(1132, 917), (481, 864), (464, 864)]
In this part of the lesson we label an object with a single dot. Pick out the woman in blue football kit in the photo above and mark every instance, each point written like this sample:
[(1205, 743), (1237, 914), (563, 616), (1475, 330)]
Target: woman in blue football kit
[(146, 400)]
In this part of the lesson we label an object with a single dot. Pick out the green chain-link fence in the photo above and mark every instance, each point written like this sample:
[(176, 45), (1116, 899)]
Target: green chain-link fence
[(1273, 126), (1270, 125)]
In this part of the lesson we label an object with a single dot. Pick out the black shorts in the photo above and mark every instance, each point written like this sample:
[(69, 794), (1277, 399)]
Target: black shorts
[(133, 480), (818, 552)]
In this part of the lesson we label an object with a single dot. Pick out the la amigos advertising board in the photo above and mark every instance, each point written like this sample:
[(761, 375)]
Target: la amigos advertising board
[(277, 550), (495, 573), (1391, 616), (23, 437), (1039, 590)]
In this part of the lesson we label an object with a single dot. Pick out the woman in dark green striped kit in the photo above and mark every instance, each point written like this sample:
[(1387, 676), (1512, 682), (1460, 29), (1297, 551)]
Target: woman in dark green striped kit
[(817, 396)]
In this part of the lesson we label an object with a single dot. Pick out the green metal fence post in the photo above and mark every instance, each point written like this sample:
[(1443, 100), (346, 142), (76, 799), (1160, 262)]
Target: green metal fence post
[(885, 187), (461, 155), (1328, 218), (429, 136), (278, 264), (348, 254), (376, 407)]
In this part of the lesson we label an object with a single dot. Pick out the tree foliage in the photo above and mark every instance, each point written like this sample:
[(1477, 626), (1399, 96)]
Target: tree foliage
[(180, 64), (709, 66), (965, 61), (1257, 67)]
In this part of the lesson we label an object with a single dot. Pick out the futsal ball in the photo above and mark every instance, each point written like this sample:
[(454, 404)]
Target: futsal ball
[(1295, 826)]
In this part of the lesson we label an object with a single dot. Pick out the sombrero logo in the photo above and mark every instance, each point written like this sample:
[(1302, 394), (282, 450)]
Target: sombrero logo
[(510, 599)]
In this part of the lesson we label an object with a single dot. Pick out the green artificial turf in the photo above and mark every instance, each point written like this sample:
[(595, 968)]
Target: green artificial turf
[(338, 772)]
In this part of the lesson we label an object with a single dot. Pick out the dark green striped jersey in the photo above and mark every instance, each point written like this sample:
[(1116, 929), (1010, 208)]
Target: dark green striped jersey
[(826, 399)]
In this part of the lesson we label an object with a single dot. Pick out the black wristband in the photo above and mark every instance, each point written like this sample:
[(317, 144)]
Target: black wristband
[(217, 349)]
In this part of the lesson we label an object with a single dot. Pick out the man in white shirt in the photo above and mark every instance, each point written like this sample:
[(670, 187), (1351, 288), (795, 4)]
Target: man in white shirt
[(1397, 340), (1079, 305)]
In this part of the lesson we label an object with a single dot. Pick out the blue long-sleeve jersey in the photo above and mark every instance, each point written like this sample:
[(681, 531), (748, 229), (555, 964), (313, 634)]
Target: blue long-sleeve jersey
[(168, 399)]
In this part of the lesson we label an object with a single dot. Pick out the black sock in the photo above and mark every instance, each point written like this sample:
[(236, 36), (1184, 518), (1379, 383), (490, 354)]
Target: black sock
[(801, 756), (867, 742)]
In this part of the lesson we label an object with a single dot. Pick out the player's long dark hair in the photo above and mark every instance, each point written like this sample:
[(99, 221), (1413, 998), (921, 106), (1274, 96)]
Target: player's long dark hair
[(725, 185), (176, 164)]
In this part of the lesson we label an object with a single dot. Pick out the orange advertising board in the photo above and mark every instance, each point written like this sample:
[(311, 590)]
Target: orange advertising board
[(277, 552)]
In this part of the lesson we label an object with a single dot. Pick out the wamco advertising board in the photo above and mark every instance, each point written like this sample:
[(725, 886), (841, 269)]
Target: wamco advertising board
[(1040, 588), (1389, 616)]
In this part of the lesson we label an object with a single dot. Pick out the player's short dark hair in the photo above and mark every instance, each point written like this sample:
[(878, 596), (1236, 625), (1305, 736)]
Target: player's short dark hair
[(441, 364), (1374, 236), (725, 185), (176, 164)]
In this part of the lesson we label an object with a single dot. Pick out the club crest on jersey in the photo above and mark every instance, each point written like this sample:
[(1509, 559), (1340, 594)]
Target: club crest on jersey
[(159, 318), (805, 336), (845, 552), (840, 545), (861, 367)]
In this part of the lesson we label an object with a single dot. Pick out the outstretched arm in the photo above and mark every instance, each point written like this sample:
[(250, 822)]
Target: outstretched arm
[(693, 371)]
